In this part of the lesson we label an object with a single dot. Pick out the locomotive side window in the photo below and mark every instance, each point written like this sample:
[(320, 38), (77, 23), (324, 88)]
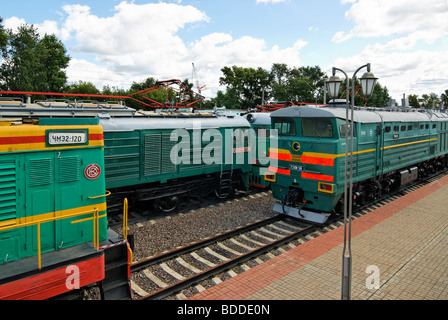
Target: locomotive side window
[(319, 128), (285, 127), (342, 130), (263, 132)]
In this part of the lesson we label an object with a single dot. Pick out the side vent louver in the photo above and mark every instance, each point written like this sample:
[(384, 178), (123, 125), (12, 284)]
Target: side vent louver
[(39, 172), (68, 169), (8, 191), (167, 145), (158, 153), (152, 154)]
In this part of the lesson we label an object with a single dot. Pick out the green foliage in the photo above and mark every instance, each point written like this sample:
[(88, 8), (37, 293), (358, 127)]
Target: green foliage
[(429, 101), (380, 97), (3, 36), (248, 87), (413, 101), (82, 88), (31, 63), (444, 98)]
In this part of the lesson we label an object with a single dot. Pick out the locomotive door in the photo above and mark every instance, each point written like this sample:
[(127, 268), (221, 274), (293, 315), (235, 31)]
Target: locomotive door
[(68, 196), (379, 150), (40, 200), (52, 189)]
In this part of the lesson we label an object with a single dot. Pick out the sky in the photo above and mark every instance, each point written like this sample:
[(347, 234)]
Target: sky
[(118, 42)]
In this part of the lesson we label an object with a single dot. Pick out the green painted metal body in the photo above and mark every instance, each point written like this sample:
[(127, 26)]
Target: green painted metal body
[(380, 148), (144, 156), (41, 182)]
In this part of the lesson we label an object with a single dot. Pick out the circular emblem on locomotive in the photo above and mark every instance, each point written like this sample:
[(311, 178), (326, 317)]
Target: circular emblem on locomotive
[(296, 146), (92, 171)]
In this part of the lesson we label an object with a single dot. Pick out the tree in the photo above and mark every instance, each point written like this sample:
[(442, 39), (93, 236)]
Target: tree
[(308, 83), (429, 100), (82, 87), (304, 84), (53, 60), (3, 36), (250, 85), (444, 98), (229, 99), (380, 97), (413, 101), (31, 63)]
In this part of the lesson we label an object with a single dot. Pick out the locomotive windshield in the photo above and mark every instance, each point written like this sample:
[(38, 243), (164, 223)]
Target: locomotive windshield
[(285, 127), (319, 128)]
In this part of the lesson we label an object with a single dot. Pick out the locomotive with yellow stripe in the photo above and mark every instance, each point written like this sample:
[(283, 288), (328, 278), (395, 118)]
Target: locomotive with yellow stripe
[(54, 238), (391, 148)]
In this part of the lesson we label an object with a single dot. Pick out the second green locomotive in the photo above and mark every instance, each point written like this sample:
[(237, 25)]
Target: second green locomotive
[(392, 148)]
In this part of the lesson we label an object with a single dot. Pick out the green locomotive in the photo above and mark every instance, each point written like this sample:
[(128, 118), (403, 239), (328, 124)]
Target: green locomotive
[(53, 210), (158, 161), (392, 148)]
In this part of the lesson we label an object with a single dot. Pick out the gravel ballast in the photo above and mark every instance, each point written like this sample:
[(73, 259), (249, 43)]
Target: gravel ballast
[(167, 232)]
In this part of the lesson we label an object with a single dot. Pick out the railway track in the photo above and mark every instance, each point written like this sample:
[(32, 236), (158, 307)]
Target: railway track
[(185, 271), (199, 261)]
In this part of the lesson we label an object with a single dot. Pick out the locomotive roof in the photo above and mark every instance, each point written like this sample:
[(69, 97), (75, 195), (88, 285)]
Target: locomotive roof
[(130, 124), (364, 115), (13, 107)]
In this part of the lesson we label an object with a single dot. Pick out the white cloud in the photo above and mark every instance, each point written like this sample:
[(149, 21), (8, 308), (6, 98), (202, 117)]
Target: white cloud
[(214, 51), (376, 18), (408, 54), (140, 41), (13, 23), (417, 72)]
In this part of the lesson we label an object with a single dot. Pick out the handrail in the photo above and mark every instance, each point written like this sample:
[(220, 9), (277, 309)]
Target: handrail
[(95, 218), (125, 219), (108, 193)]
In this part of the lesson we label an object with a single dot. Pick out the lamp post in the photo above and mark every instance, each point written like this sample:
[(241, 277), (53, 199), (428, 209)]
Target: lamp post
[(368, 81)]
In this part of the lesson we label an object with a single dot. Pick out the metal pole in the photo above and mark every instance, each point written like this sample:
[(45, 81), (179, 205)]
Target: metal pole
[(346, 252), (348, 196)]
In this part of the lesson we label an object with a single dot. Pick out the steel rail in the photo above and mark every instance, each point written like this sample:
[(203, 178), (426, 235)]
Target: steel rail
[(178, 286), (145, 263)]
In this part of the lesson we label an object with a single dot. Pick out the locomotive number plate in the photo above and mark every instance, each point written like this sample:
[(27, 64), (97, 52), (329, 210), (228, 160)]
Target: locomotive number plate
[(64, 138)]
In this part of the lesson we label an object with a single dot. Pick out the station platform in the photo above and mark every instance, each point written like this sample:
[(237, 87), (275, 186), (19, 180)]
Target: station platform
[(402, 247)]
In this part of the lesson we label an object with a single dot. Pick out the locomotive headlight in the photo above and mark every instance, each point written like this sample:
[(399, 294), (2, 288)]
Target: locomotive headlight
[(325, 187), (296, 146), (270, 177)]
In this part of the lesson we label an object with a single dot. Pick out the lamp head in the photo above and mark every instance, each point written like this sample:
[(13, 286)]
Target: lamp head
[(368, 81), (333, 86)]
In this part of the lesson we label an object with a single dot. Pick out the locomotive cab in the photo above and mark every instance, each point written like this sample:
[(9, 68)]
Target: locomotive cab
[(308, 140)]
